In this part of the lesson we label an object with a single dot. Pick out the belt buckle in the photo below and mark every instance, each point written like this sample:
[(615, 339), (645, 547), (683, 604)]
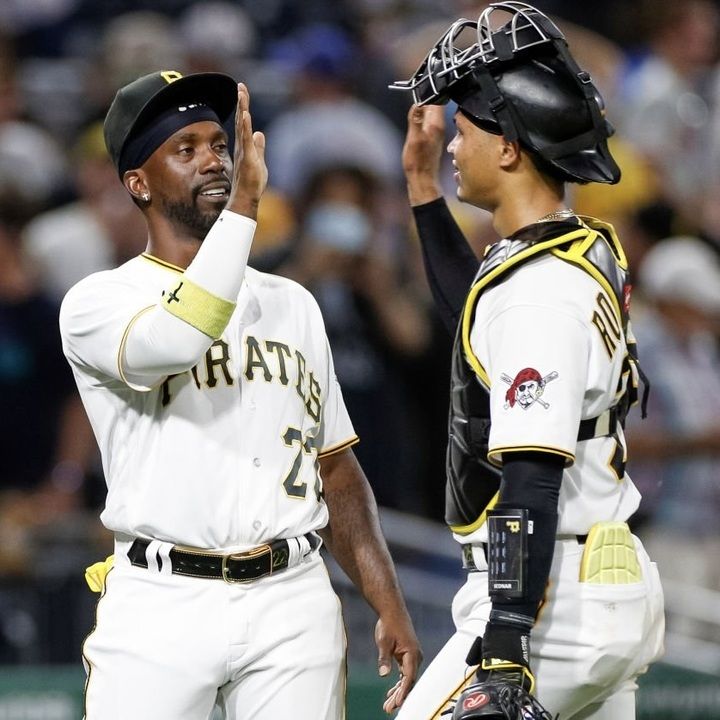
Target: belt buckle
[(250, 554)]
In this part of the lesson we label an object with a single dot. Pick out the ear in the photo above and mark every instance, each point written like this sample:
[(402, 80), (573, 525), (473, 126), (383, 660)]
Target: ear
[(509, 153), (135, 184)]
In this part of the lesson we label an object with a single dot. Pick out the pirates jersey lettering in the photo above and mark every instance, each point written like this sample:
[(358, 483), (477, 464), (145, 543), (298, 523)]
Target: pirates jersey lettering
[(217, 360), (246, 424)]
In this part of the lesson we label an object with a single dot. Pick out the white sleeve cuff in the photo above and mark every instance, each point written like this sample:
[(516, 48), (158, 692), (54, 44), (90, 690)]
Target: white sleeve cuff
[(219, 266)]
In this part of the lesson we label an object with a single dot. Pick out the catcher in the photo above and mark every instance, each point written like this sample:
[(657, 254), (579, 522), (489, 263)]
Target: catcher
[(544, 372)]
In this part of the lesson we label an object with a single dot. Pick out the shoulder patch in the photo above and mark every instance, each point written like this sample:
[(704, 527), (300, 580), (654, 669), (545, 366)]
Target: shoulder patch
[(526, 388)]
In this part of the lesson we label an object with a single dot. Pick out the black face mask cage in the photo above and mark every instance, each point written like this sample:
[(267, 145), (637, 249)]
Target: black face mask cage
[(469, 73), (444, 65), (453, 56)]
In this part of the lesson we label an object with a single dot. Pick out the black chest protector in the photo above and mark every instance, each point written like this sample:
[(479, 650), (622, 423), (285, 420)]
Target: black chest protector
[(472, 480)]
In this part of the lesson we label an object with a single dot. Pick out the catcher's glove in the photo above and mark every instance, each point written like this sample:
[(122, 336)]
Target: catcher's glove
[(498, 700)]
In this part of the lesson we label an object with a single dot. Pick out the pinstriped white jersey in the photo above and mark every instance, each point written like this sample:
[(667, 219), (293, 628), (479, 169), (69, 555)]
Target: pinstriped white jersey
[(223, 456), (552, 346)]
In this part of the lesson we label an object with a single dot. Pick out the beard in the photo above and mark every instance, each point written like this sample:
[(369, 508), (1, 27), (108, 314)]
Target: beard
[(189, 218)]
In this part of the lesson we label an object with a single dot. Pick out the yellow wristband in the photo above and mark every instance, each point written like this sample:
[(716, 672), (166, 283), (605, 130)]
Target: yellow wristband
[(196, 306)]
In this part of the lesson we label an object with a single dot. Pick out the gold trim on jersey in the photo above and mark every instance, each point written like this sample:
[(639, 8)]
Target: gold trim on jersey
[(340, 446), (576, 255), (198, 307), (479, 286), (123, 342), (164, 263), (583, 238), (569, 457)]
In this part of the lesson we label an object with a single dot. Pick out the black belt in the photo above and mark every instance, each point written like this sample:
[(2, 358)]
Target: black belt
[(234, 568), (469, 560)]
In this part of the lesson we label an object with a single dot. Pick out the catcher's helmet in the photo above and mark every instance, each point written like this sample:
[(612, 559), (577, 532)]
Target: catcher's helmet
[(520, 81)]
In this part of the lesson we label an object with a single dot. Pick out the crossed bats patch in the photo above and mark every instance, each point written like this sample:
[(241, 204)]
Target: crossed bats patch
[(526, 388)]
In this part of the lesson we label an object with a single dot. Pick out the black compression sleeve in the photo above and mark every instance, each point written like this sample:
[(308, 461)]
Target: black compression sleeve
[(532, 480), (450, 263)]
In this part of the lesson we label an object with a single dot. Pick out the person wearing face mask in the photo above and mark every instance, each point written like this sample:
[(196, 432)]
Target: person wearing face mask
[(375, 325)]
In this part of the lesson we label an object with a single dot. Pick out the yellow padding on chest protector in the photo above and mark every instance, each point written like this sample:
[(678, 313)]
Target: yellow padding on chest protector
[(206, 312), (610, 557), (95, 575)]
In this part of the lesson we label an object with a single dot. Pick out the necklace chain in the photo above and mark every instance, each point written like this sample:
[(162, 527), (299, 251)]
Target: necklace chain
[(557, 215)]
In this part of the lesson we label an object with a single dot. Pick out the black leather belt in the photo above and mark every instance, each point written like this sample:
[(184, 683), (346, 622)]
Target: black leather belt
[(234, 568)]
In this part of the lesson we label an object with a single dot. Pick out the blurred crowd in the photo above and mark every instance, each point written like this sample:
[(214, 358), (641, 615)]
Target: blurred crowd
[(335, 218)]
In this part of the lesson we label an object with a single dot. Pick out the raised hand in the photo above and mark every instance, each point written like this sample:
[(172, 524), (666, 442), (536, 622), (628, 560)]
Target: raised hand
[(422, 152), (250, 174)]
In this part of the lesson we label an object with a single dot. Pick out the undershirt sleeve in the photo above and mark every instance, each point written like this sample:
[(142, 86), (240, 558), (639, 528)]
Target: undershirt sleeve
[(110, 323), (160, 342), (450, 263)]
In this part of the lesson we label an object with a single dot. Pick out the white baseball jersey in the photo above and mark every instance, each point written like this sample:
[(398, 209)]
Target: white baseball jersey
[(552, 347), (223, 456)]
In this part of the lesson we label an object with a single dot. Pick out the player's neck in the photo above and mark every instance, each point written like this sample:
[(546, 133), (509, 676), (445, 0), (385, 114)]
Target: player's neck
[(171, 246), (525, 205)]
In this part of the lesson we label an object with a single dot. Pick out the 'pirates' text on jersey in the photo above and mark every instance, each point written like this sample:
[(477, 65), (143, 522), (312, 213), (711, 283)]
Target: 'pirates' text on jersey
[(223, 456)]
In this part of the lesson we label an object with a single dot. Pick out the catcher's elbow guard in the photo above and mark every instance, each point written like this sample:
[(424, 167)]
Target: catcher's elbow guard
[(507, 553)]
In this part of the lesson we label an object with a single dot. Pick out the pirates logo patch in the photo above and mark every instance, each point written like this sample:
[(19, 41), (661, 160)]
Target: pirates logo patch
[(527, 388)]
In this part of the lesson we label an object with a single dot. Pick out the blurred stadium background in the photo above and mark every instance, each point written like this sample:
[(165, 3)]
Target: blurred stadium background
[(318, 72)]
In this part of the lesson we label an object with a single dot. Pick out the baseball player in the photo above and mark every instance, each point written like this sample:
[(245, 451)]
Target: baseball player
[(224, 438), (562, 609)]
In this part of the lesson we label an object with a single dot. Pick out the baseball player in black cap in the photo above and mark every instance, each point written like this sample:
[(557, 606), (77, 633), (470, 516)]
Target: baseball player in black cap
[(544, 371), (225, 442)]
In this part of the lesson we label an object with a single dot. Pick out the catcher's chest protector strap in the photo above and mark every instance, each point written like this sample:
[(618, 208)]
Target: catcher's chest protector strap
[(590, 245)]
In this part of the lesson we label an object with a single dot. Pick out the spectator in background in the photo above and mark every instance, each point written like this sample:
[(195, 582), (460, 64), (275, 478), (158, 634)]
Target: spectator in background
[(99, 230), (327, 124), (675, 451), (32, 165), (46, 444), (375, 326), (666, 99), (217, 36), (130, 45)]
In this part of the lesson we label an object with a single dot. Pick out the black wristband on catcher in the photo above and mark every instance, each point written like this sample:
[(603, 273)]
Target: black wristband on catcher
[(507, 638), (506, 653)]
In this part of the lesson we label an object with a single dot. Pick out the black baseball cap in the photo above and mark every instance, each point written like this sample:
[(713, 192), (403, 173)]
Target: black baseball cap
[(136, 105)]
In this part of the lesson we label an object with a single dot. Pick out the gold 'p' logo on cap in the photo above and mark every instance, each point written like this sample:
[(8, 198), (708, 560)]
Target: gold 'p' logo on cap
[(170, 76)]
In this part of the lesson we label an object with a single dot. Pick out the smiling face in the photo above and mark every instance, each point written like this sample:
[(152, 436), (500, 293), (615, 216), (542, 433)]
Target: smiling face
[(188, 176), (476, 155)]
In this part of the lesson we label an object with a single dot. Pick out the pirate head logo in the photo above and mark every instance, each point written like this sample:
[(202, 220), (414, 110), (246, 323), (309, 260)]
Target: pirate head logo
[(527, 388)]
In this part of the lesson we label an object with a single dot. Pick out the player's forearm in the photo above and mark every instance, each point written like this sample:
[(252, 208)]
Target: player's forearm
[(450, 263), (354, 536), (195, 309), (422, 186)]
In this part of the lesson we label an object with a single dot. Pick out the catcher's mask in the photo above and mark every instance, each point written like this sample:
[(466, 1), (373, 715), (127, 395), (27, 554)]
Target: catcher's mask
[(520, 81)]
